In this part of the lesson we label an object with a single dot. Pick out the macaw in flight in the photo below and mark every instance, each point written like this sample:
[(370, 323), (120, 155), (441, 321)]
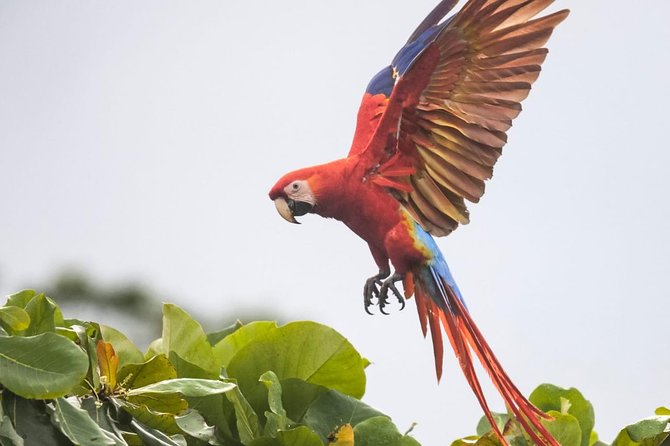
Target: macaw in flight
[(429, 131)]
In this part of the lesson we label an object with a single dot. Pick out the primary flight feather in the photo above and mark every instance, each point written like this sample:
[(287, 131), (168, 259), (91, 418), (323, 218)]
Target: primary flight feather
[(430, 128)]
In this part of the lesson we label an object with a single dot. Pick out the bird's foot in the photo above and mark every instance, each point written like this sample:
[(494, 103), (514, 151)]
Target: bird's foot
[(377, 288), (371, 290)]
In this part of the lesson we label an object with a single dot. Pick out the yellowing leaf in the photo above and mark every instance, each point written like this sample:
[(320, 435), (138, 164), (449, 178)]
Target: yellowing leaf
[(16, 318), (342, 436), (108, 362)]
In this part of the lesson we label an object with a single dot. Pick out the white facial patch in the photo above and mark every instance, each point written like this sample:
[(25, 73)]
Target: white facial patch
[(300, 191)]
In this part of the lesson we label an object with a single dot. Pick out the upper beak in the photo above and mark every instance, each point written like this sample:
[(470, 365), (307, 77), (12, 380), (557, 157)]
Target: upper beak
[(285, 211)]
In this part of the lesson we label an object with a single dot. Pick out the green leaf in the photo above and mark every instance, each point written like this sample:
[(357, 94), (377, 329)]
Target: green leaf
[(623, 439), (548, 397), (99, 411), (276, 418), (44, 315), (271, 382), (305, 350), (332, 409), (14, 318), (155, 348), (8, 435), (216, 336), (185, 386), (185, 337), (225, 349), (484, 427), (41, 367), (217, 411), (661, 411), (78, 426), (299, 395), (171, 403), (20, 299), (164, 422), (153, 436), (88, 334), (380, 430), (127, 352), (565, 428), (158, 369), (68, 333), (154, 370), (648, 432), (246, 418), (195, 425), (300, 436), (187, 369), (32, 422), (646, 429)]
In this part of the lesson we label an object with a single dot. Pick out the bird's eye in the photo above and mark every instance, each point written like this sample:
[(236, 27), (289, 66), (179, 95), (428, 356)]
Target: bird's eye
[(295, 186)]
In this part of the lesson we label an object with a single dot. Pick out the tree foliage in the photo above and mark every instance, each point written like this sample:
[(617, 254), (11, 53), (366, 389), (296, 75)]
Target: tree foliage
[(67, 381)]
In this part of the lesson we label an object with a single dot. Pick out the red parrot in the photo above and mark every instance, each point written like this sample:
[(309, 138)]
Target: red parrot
[(429, 131)]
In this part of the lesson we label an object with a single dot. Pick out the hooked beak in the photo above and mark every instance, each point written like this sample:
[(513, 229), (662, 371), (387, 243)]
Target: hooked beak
[(288, 209)]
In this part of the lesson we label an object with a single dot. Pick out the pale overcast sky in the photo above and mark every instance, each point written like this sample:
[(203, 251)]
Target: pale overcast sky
[(138, 141)]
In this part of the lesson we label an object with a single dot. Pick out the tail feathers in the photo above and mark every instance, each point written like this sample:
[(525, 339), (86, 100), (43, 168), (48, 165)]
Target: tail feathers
[(440, 307)]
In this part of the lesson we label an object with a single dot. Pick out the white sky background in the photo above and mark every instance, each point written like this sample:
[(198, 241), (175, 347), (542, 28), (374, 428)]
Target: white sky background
[(138, 141)]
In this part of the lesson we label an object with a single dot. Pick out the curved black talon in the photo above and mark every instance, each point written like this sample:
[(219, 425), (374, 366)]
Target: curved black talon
[(383, 301), (370, 292), (389, 284)]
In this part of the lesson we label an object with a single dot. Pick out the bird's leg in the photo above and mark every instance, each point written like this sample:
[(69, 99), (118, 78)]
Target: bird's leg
[(389, 284), (371, 291)]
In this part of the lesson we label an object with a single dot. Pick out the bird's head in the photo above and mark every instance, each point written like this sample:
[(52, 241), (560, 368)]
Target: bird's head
[(294, 195)]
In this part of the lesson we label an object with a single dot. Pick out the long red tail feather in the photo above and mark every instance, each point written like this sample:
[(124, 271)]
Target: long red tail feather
[(439, 308)]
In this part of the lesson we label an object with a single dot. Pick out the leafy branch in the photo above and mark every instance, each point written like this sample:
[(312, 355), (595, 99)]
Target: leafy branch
[(67, 381)]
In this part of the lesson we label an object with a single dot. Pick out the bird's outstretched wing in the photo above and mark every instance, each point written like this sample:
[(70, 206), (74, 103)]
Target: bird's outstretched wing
[(432, 124)]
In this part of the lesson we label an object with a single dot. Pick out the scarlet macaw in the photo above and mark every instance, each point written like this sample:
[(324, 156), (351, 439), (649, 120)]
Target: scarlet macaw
[(430, 129)]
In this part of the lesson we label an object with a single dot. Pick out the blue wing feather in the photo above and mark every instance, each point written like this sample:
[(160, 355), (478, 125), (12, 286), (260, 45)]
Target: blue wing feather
[(408, 54), (384, 81)]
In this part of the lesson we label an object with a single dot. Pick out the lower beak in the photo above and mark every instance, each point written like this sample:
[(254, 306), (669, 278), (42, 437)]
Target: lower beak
[(285, 211), (288, 209)]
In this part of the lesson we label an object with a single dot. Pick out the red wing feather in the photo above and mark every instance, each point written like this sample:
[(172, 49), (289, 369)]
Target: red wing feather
[(450, 105)]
